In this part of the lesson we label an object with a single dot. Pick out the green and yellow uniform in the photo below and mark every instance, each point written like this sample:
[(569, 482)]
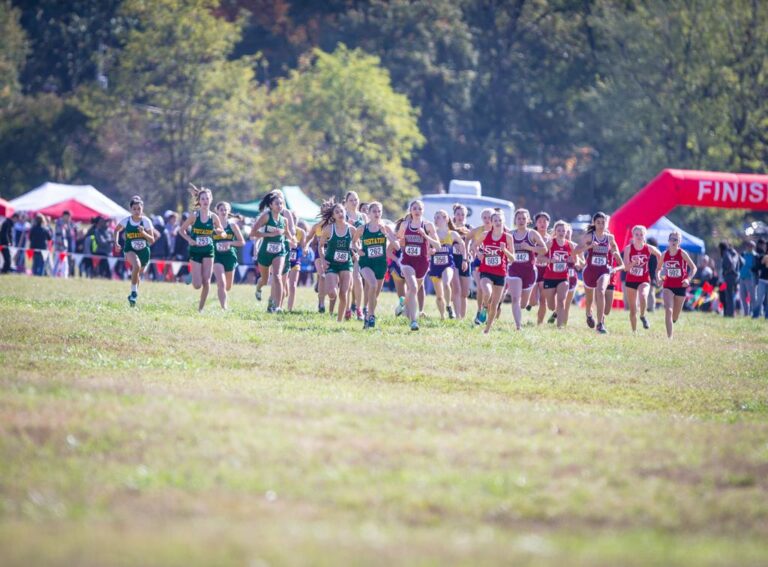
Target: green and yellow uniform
[(374, 252), (202, 234), (338, 252), (272, 246), (134, 241), (225, 254)]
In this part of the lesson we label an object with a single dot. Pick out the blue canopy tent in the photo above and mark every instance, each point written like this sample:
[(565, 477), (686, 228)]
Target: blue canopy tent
[(295, 199), (661, 229)]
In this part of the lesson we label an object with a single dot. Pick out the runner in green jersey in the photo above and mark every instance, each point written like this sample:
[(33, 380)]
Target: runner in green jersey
[(275, 229), (372, 239), (199, 230), (335, 247), (356, 219), (225, 253), (139, 234)]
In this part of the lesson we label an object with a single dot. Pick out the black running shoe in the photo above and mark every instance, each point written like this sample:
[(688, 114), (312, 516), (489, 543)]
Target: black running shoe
[(601, 329), (590, 322), (646, 324)]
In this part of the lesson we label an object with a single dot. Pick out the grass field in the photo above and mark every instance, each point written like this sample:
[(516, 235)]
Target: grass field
[(161, 436)]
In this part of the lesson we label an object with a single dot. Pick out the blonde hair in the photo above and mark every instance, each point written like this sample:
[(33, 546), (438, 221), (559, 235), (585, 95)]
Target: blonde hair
[(525, 212), (641, 228)]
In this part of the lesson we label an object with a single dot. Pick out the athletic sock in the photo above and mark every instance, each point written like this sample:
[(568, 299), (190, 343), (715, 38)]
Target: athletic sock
[(134, 288)]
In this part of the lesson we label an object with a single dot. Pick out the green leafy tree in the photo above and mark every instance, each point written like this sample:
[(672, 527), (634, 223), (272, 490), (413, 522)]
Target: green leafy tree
[(13, 53), (335, 124)]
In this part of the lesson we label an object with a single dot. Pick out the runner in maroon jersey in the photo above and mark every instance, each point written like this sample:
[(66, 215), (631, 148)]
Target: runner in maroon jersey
[(573, 275), (637, 259), (600, 246), (677, 270), (497, 249), (522, 271), (559, 255), (541, 222), (415, 235)]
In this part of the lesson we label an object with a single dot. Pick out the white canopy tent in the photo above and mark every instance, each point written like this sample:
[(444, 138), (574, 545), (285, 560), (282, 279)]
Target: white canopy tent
[(82, 201)]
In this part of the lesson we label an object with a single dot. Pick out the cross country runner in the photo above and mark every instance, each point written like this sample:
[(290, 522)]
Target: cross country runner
[(460, 284), (442, 266), (637, 259), (198, 230), (677, 271), (522, 271), (559, 255), (314, 237), (372, 239), (294, 263), (541, 225), (475, 239), (573, 275), (225, 253), (335, 246), (356, 219), (497, 248), (139, 234)]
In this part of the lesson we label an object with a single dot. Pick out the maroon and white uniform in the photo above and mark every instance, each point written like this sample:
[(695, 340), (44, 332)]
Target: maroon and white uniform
[(598, 260), (415, 251), (523, 266)]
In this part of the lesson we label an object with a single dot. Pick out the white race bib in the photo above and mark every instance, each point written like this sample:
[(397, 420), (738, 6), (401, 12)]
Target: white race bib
[(674, 273), (203, 241), (375, 251), (341, 256), (493, 261), (413, 250), (559, 267), (636, 271), (440, 259), (222, 246), (274, 247), (293, 255), (138, 244), (522, 257), (599, 261)]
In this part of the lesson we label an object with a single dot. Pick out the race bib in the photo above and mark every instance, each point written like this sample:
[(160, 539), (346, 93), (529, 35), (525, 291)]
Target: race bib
[(222, 246), (559, 267), (599, 261), (413, 250), (274, 247), (341, 256), (375, 251), (440, 259), (293, 255), (571, 273), (138, 244), (493, 261), (203, 241), (522, 257), (636, 271), (456, 250), (674, 273)]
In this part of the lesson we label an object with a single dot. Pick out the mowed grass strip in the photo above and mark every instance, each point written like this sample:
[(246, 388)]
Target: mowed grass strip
[(160, 435)]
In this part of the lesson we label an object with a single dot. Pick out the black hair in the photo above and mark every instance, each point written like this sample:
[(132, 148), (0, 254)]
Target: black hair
[(326, 211), (540, 215), (598, 215), (266, 202)]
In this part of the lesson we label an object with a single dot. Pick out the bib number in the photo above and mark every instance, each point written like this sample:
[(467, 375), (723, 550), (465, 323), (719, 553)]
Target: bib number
[(456, 250), (599, 261), (341, 256), (293, 255), (375, 251), (274, 247), (636, 271), (493, 261), (222, 246), (203, 241), (413, 250), (674, 273), (571, 273), (138, 244), (440, 259), (521, 257), (559, 267)]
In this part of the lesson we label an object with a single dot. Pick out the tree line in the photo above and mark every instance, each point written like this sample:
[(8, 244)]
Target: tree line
[(568, 105)]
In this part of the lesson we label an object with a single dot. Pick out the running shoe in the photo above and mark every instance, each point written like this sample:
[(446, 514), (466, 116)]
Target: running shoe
[(646, 324), (358, 314), (601, 329), (528, 307), (552, 319), (590, 321), (258, 294), (400, 307), (365, 312), (132, 299), (477, 318), (365, 324), (449, 309), (414, 326), (270, 306), (347, 314), (372, 322), (483, 316), (321, 308)]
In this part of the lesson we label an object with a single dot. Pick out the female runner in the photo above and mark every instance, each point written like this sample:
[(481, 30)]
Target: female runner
[(600, 247), (139, 234), (541, 224), (677, 271), (225, 253), (441, 265), (335, 246), (356, 219), (460, 283), (275, 229), (475, 239), (573, 276), (314, 237), (415, 236), (559, 255), (203, 224), (522, 272), (637, 259), (294, 263), (497, 249), (372, 238)]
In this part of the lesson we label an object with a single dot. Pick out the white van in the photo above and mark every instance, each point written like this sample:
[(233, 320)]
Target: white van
[(469, 194)]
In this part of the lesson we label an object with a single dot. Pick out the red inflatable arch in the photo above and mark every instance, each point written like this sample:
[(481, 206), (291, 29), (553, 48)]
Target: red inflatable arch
[(673, 187)]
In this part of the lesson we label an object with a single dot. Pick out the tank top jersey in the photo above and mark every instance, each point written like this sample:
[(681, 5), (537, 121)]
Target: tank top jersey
[(358, 220), (641, 273), (524, 257), (674, 269), (202, 234), (494, 260), (374, 247), (444, 255), (455, 248), (558, 254), (600, 255), (337, 250), (134, 241), (274, 244), (415, 249)]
